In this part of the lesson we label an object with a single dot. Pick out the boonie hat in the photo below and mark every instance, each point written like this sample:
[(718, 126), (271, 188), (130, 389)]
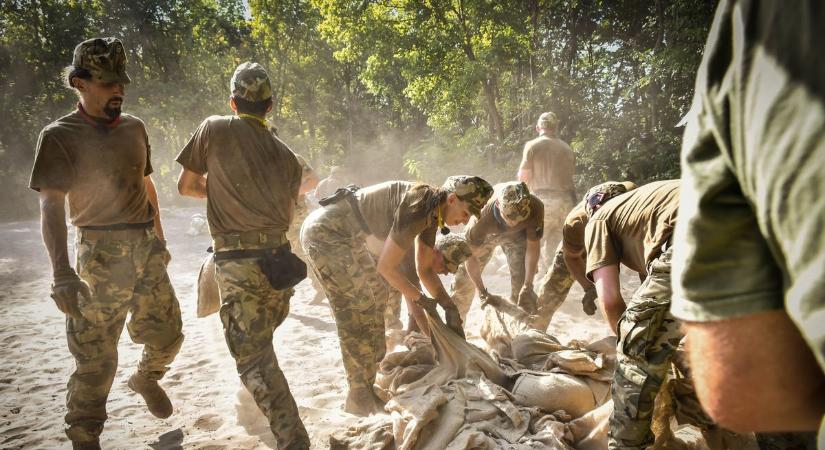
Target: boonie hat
[(455, 249), (473, 190), (514, 201), (250, 82), (104, 58)]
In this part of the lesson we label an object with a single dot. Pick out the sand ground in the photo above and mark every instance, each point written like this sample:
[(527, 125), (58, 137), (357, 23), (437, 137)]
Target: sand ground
[(211, 411)]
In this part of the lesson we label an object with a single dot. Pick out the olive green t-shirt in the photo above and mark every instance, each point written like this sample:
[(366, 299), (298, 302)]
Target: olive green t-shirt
[(751, 236), (573, 230), (253, 177), (490, 224), (388, 209), (552, 164), (100, 168), (632, 228)]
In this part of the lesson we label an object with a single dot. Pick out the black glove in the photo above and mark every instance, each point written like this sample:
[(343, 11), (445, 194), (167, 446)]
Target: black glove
[(454, 322), (589, 300), (65, 291), (527, 298)]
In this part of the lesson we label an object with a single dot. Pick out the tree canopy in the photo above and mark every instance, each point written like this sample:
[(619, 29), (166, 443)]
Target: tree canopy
[(406, 89)]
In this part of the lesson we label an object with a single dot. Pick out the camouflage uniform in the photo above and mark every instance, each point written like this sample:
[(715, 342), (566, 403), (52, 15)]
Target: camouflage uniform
[(250, 312), (357, 294), (553, 289), (126, 275), (648, 339)]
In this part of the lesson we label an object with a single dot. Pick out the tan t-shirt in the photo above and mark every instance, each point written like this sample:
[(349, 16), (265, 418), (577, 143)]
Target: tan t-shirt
[(100, 169), (388, 209), (253, 177), (552, 164), (631, 228), (573, 231), (490, 225)]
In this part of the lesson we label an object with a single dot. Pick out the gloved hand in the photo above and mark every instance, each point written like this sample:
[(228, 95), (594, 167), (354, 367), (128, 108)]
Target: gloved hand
[(527, 298), (66, 288), (490, 299), (428, 304), (453, 319), (589, 300)]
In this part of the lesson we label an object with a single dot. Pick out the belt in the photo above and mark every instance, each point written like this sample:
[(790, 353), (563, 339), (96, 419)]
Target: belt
[(116, 232), (348, 193), (120, 226), (247, 253), (246, 239)]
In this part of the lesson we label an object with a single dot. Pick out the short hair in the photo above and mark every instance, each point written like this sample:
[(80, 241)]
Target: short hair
[(258, 108), (70, 72)]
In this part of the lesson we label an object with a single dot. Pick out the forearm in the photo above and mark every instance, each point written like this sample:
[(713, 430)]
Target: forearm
[(434, 287), (153, 200), (765, 356), (576, 267), (55, 233), (473, 266), (191, 184), (531, 261)]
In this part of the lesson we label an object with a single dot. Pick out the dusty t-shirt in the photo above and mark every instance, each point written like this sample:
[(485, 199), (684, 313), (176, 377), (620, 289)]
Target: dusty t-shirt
[(253, 177), (490, 224), (552, 164), (631, 228), (101, 169), (573, 230), (390, 210), (751, 234)]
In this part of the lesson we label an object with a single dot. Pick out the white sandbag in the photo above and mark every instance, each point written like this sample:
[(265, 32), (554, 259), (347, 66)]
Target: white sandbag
[(209, 297), (553, 392)]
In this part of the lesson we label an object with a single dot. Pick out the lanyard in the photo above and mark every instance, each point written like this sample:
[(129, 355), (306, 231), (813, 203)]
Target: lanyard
[(255, 118)]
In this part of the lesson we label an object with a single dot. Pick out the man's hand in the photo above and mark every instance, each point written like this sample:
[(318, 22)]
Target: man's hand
[(428, 304), (454, 322), (589, 300), (65, 291), (527, 298)]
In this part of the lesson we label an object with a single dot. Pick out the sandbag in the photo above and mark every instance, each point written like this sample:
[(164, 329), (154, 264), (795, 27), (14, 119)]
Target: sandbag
[(209, 296), (553, 392)]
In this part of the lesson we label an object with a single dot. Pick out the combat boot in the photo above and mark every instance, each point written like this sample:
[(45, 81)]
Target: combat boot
[(156, 399), (89, 445), (363, 402)]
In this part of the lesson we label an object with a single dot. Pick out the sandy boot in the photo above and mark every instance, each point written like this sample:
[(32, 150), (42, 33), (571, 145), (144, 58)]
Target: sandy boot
[(156, 399), (92, 445), (363, 402)]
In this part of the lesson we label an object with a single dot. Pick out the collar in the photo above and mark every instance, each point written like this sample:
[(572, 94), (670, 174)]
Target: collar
[(95, 122), (257, 119)]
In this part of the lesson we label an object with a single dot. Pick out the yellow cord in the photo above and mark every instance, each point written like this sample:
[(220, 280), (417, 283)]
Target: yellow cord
[(255, 118), (440, 220)]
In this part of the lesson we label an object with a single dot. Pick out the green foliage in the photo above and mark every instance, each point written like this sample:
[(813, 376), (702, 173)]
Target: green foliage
[(393, 88)]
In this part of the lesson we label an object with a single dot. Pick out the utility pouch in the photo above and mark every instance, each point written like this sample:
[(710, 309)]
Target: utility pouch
[(282, 268), (340, 194)]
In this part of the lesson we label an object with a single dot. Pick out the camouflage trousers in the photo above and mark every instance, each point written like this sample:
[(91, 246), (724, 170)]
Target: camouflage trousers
[(250, 312), (648, 339), (293, 236), (553, 289), (556, 207), (357, 294), (514, 250), (127, 277)]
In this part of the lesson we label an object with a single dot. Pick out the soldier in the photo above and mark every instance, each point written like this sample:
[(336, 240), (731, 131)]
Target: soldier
[(512, 219), (635, 230), (99, 159), (569, 261), (548, 166), (337, 178), (748, 265), (399, 213), (254, 183)]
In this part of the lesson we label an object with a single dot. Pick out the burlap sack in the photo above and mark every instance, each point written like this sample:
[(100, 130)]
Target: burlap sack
[(209, 297), (553, 392)]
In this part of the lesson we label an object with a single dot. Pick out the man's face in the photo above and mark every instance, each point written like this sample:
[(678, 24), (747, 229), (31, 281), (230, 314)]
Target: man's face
[(509, 222), (457, 211), (100, 99), (438, 263)]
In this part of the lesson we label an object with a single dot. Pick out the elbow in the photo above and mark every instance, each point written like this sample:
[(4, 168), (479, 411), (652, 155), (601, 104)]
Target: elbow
[(181, 186)]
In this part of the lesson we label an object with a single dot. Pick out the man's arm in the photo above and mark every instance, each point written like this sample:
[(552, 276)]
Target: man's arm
[(473, 266), (191, 184), (388, 265), (153, 200), (53, 228), (756, 373), (609, 290), (531, 261), (576, 265), (309, 181)]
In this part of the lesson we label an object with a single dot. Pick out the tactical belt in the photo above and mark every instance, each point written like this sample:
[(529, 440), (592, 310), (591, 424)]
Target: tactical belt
[(348, 193), (120, 226), (246, 253)]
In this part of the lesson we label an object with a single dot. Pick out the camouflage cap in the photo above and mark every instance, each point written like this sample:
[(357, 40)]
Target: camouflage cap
[(514, 201), (455, 249), (104, 58), (473, 190), (600, 194), (250, 82), (548, 120)]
